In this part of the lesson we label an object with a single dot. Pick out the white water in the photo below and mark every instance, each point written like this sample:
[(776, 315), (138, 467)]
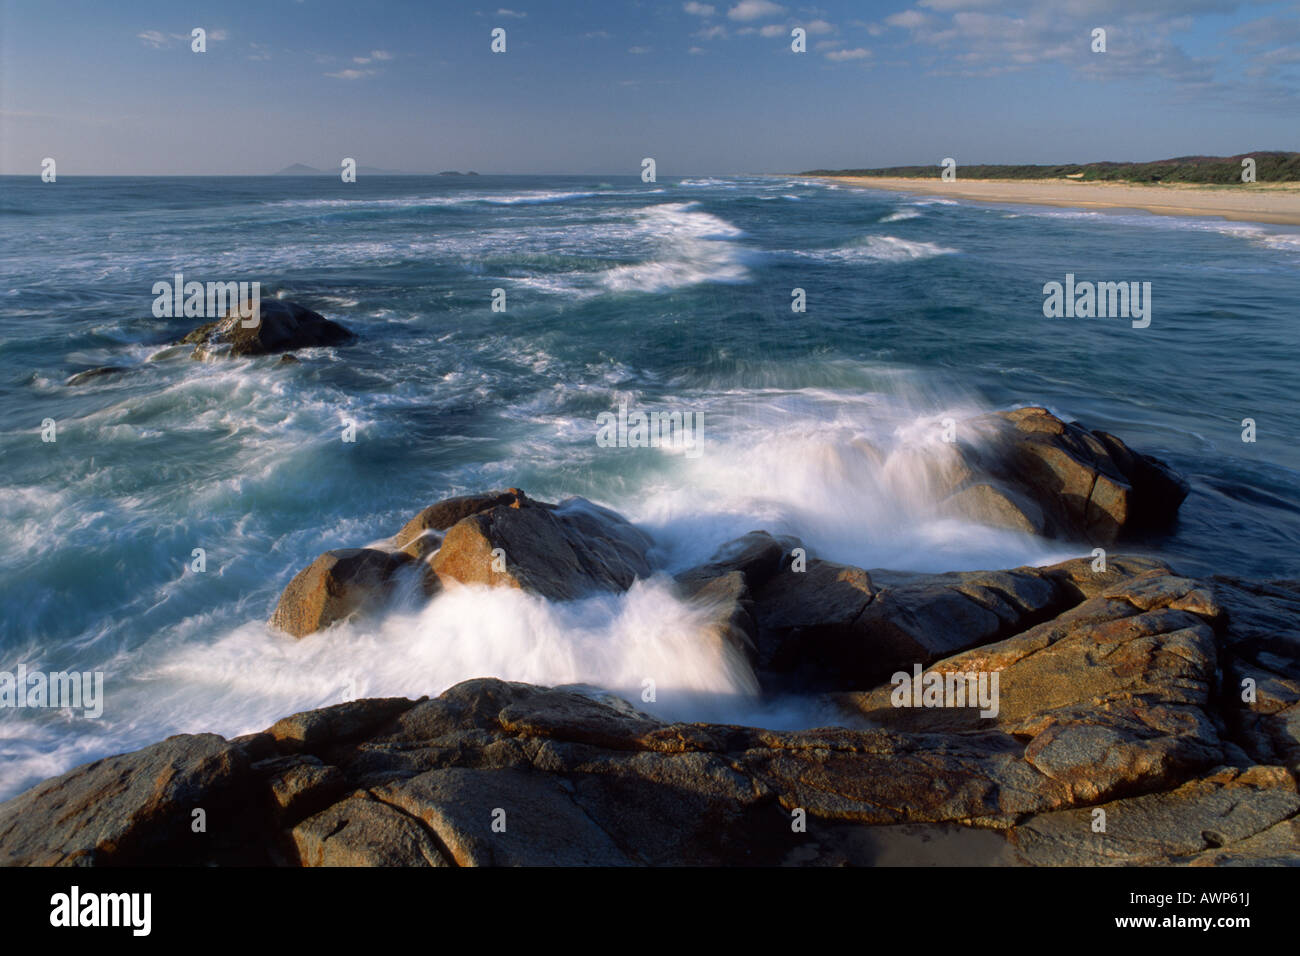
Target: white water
[(878, 249), (690, 247)]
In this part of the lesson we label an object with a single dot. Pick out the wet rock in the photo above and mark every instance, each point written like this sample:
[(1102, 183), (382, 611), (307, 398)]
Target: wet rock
[(335, 586), (312, 730), (756, 556), (838, 632), (807, 618), (421, 536), (731, 613), (560, 551), (1033, 472), (278, 326), (998, 507), (1110, 695), (90, 374)]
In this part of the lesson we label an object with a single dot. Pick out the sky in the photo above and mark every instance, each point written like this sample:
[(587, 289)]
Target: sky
[(586, 86)]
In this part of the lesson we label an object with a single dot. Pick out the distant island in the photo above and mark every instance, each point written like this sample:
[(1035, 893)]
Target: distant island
[(302, 169), (299, 169), (1270, 166)]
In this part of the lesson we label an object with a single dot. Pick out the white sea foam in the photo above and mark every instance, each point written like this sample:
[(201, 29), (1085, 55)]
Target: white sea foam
[(879, 249), (534, 197), (1279, 238), (456, 199), (250, 677), (832, 452), (690, 247)]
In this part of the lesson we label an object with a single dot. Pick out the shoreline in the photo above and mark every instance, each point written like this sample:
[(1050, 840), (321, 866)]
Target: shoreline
[(1263, 203)]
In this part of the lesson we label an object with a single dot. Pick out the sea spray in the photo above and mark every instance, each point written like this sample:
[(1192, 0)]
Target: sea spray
[(611, 641)]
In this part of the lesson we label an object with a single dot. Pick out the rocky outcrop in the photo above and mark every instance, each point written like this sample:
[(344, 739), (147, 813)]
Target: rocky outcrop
[(724, 586), (1032, 472), (500, 539), (1262, 666), (1116, 736), (1090, 712), (336, 586), (1229, 817), (422, 535), (278, 326), (1023, 469), (137, 807), (558, 551)]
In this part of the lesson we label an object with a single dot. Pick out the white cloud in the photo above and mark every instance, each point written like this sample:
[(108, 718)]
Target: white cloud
[(638, 49), (699, 9), (696, 50), (858, 53), (374, 55), (755, 10), (712, 33), (350, 74), (517, 14), (772, 30), (907, 19), (819, 26), (154, 38), (965, 4)]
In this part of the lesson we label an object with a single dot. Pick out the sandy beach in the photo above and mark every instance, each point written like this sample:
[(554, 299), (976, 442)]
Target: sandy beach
[(1258, 202)]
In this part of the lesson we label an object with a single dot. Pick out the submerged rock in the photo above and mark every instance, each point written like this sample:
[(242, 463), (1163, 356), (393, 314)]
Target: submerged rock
[(279, 326), (91, 374)]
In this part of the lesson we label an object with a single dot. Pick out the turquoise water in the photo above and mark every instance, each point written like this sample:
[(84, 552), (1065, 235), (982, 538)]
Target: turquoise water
[(672, 296)]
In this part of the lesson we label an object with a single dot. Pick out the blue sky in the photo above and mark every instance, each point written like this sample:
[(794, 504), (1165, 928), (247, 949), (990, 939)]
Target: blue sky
[(592, 87)]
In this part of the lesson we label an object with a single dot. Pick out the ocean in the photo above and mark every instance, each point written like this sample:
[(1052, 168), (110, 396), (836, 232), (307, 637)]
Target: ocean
[(672, 296)]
